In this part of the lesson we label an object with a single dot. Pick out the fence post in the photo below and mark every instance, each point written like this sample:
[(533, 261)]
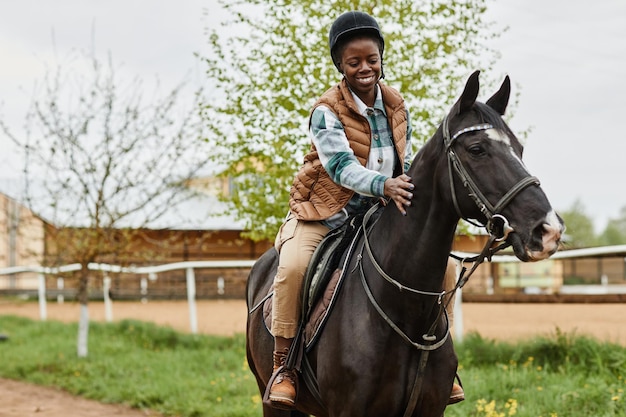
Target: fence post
[(143, 285), (60, 286), (458, 316), (458, 307), (108, 307), (220, 285), (43, 314), (191, 299)]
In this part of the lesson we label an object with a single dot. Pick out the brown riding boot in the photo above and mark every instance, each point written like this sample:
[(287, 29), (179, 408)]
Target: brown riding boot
[(457, 395), (283, 390)]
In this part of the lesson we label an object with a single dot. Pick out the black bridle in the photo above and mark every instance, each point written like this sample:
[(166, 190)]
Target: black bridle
[(497, 225)]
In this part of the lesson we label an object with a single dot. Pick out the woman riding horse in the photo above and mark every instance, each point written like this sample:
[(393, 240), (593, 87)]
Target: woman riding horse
[(361, 149), (385, 347)]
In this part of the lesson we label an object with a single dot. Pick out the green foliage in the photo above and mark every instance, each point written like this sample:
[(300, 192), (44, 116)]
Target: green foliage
[(615, 231), (559, 352), (612, 235), (270, 62), (147, 366), (560, 375), (580, 233)]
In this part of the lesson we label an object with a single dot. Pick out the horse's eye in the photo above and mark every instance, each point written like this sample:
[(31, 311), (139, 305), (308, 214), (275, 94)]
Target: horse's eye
[(476, 149)]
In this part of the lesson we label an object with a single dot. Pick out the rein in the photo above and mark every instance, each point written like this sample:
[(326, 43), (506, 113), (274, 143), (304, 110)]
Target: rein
[(428, 337)]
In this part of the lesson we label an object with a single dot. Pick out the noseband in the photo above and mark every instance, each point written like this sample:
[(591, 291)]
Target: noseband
[(497, 225)]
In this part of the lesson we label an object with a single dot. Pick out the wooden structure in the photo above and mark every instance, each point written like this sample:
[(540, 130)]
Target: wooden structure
[(193, 245), (189, 245), (21, 241)]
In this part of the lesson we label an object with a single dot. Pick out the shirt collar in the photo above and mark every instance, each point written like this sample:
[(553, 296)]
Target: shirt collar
[(362, 107)]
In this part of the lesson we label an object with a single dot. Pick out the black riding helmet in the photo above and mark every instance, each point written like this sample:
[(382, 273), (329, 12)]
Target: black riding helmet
[(347, 26)]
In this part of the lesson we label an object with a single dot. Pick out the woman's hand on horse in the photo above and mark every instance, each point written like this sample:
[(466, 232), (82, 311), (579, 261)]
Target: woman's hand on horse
[(399, 190)]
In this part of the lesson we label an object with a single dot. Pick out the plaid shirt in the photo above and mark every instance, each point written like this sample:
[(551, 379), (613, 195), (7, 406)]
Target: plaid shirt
[(338, 159)]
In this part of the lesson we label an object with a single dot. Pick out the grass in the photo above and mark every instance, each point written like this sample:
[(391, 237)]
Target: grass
[(561, 375), (134, 363), (147, 366)]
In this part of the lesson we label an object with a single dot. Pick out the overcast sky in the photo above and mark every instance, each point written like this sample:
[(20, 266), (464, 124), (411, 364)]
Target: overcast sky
[(566, 57)]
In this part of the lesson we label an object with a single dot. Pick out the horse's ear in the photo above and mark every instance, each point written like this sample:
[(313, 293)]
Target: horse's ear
[(468, 98), (500, 100)]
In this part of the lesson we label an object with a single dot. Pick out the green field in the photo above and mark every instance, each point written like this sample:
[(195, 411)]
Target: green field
[(146, 366)]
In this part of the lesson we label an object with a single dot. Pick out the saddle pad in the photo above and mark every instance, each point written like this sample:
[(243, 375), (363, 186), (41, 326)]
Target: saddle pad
[(318, 315), (327, 257)]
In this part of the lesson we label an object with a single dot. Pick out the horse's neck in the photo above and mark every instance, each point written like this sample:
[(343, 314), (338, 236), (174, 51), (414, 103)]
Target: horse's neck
[(418, 244)]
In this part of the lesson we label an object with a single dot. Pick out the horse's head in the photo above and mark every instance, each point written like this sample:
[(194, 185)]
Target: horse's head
[(485, 177)]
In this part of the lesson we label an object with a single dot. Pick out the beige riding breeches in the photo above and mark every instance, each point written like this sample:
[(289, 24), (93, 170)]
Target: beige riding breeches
[(295, 242)]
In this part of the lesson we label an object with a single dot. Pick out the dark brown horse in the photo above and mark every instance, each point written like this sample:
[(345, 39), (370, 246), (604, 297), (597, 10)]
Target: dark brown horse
[(385, 349)]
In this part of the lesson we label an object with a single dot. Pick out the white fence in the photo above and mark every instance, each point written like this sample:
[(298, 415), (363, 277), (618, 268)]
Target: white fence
[(150, 271)]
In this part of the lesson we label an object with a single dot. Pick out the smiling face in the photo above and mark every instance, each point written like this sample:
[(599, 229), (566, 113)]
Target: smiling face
[(361, 64)]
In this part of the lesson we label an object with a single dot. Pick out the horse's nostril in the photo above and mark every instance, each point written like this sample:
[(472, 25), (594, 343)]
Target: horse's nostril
[(552, 233), (537, 234), (545, 236)]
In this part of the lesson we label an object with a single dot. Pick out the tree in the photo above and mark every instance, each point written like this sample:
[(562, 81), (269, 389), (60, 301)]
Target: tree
[(270, 62), (615, 231), (103, 162), (580, 232)]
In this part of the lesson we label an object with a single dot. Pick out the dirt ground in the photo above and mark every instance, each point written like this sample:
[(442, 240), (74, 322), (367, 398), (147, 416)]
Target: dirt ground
[(19, 399), (507, 322)]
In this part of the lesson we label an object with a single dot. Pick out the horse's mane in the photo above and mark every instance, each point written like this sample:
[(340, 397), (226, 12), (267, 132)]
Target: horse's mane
[(489, 115)]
